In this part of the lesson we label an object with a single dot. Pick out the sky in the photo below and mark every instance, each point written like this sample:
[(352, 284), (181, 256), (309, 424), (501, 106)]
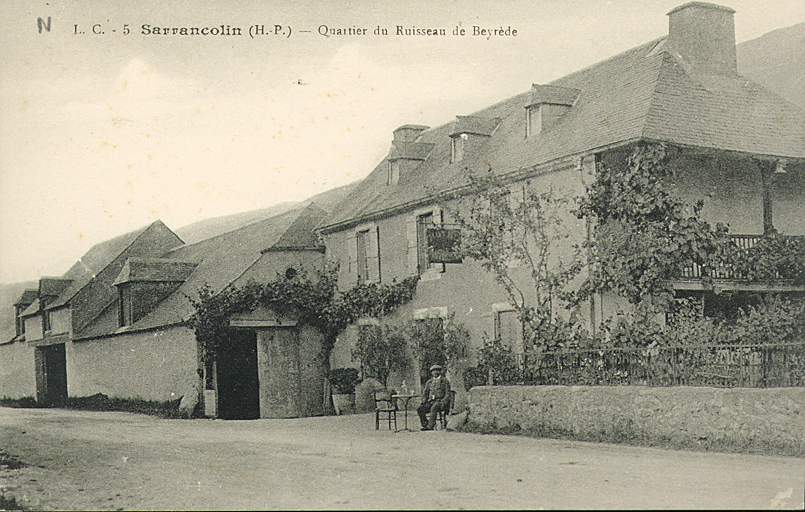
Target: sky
[(103, 134)]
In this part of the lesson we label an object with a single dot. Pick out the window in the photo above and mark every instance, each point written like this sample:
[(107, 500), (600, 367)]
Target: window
[(45, 314), (20, 323), (392, 173), (423, 222), (457, 147), (533, 120), (124, 305), (509, 330), (362, 241)]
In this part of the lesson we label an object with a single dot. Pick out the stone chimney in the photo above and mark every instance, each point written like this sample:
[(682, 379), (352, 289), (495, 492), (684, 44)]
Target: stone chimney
[(406, 153), (703, 35)]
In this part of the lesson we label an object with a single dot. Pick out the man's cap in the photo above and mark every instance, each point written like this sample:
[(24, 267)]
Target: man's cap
[(435, 367)]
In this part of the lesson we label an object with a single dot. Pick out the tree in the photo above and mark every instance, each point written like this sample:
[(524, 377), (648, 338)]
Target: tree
[(516, 230), (438, 341), (381, 350)]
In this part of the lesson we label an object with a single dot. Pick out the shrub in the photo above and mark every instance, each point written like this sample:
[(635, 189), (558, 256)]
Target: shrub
[(500, 359), (381, 350), (25, 402), (474, 376), (101, 402), (343, 380)]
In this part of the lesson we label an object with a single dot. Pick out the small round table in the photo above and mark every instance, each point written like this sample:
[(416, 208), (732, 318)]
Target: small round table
[(405, 399)]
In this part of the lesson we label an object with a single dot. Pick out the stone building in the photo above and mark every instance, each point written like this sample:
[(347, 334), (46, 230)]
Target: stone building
[(116, 323), (741, 148)]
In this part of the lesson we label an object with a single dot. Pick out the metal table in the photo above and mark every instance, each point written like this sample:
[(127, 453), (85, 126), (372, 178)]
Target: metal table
[(405, 399)]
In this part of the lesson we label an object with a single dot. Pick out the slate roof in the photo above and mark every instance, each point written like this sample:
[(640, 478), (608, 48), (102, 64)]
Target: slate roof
[(154, 270), (643, 93), (94, 261), (219, 261), (28, 297), (32, 309), (50, 286)]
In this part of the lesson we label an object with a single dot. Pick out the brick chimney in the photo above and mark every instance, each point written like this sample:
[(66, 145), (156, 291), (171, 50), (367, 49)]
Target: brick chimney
[(703, 35)]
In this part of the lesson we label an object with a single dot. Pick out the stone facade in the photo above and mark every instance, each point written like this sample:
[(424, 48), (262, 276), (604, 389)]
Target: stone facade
[(151, 365), (290, 372), (741, 419)]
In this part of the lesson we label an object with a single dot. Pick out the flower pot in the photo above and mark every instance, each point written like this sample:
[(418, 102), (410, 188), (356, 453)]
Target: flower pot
[(343, 403)]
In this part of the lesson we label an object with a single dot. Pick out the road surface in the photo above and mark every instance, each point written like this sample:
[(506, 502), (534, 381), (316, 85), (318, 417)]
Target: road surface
[(108, 461)]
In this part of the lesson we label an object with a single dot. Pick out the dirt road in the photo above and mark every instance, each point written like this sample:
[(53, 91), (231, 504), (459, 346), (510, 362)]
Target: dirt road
[(88, 460)]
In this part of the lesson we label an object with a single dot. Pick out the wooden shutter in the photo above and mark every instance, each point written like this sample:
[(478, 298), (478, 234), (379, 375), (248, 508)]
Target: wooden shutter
[(410, 235), (375, 271), (352, 254)]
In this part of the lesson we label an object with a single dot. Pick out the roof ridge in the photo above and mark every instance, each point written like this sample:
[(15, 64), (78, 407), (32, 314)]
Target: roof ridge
[(295, 211), (60, 301)]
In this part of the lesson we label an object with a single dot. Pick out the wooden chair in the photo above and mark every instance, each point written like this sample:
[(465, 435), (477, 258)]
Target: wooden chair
[(385, 404), (441, 416)]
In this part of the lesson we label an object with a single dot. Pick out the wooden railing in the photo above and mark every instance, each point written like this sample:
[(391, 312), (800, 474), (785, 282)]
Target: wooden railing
[(724, 271)]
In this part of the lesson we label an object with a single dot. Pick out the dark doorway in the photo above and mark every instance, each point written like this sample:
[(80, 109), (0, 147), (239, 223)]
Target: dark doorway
[(51, 382), (238, 383)]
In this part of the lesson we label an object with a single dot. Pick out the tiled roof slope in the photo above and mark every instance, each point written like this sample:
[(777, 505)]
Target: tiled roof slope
[(154, 270), (94, 261), (220, 260), (642, 93), (28, 296)]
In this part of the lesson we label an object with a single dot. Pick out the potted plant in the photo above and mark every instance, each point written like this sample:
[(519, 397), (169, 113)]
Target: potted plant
[(343, 381)]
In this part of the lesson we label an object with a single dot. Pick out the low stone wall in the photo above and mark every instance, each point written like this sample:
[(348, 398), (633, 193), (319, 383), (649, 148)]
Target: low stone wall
[(741, 420)]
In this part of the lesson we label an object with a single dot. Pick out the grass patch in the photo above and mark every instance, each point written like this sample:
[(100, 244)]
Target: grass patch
[(101, 402), (9, 502), (26, 402)]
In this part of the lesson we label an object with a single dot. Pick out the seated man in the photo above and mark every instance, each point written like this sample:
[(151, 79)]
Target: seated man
[(435, 398)]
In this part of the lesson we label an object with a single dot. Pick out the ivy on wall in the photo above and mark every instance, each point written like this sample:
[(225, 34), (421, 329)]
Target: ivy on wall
[(314, 302), (645, 236)]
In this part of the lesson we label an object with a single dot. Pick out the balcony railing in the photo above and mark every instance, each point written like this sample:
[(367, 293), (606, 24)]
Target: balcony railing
[(721, 270)]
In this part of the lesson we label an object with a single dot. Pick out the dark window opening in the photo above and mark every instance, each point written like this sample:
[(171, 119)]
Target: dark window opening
[(124, 306), (423, 222), (362, 240)]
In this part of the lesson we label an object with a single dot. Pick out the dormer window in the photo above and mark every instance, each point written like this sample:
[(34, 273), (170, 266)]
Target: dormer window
[(392, 172), (470, 132), (457, 147), (145, 282), (124, 306), (546, 105)]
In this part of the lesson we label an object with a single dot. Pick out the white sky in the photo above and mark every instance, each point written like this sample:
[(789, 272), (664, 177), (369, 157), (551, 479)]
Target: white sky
[(100, 135)]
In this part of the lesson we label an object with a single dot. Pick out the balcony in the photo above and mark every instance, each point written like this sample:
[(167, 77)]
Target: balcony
[(778, 260)]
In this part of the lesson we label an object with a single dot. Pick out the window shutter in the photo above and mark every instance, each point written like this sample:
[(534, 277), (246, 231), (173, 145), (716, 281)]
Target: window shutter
[(438, 219), (410, 236), (377, 254), (373, 256), (352, 254)]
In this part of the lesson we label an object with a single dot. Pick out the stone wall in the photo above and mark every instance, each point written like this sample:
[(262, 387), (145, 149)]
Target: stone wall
[(741, 419), (150, 365), (291, 372), (17, 370)]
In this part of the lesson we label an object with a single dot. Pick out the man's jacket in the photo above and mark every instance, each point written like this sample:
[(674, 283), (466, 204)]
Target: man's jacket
[(438, 389)]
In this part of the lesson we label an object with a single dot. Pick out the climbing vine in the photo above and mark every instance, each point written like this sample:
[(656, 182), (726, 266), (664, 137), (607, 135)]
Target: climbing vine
[(315, 302), (644, 236)]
